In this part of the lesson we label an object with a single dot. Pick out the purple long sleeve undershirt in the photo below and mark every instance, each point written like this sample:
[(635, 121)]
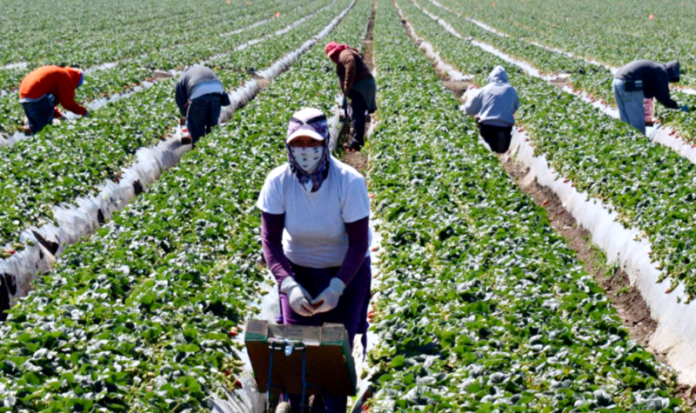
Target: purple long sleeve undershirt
[(272, 226)]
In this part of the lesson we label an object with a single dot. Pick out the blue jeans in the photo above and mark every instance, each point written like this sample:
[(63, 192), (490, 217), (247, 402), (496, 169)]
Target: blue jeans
[(203, 114), (631, 105), (40, 112)]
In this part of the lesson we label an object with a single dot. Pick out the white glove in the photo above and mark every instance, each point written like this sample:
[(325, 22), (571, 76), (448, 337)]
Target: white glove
[(328, 299), (297, 296)]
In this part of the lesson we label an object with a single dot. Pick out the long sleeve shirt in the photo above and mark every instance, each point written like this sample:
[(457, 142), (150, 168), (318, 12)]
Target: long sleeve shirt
[(655, 79), (272, 227), (61, 82), (351, 69), (496, 103), (195, 82)]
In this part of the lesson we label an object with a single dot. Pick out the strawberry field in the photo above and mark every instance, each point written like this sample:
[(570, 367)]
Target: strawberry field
[(130, 263)]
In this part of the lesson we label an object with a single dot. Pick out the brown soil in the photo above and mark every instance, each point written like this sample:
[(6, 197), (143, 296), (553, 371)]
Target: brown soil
[(262, 82), (358, 160), (626, 299), (457, 87), (631, 307), (629, 304), (367, 42)]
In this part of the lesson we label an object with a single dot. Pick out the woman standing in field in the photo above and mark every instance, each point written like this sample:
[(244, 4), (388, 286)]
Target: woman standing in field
[(316, 235), (358, 84)]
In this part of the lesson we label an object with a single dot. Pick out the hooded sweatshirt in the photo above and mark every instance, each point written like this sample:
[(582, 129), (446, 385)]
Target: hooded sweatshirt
[(655, 77), (496, 103), (61, 82)]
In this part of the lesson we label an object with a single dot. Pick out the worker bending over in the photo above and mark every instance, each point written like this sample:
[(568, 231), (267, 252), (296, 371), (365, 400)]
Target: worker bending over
[(358, 84), (315, 214), (45, 88), (200, 96), (643, 79), (494, 108)]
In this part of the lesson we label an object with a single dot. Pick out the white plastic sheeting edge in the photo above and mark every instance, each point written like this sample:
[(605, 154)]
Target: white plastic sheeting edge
[(430, 52), (675, 335), (111, 65), (663, 135), (83, 218), (278, 32), (20, 65), (373, 340), (243, 29), (6, 141)]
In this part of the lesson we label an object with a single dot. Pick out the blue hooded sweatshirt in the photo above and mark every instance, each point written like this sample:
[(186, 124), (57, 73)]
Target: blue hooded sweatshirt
[(496, 103)]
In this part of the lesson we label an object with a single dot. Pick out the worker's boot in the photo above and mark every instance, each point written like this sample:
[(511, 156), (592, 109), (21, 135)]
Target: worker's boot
[(25, 127)]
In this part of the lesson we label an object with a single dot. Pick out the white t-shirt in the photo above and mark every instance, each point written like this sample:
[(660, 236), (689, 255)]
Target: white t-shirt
[(315, 233)]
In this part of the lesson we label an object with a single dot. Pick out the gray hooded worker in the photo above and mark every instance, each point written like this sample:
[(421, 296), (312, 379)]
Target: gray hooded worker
[(200, 95), (643, 79), (494, 107)]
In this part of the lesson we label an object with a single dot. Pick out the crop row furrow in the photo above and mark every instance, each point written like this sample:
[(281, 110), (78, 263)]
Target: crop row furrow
[(143, 315), (128, 40), (39, 245), (483, 307), (606, 159), (63, 164), (127, 78)]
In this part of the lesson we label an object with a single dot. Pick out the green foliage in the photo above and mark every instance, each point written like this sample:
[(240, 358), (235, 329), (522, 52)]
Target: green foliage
[(482, 306), (137, 318)]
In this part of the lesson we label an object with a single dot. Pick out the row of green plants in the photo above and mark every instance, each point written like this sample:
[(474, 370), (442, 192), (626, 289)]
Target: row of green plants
[(143, 315), (614, 33), (482, 305), (593, 79), (63, 163), (125, 76), (649, 185), (104, 31)]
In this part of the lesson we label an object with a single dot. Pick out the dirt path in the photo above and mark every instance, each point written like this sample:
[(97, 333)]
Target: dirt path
[(358, 160), (627, 300), (631, 308)]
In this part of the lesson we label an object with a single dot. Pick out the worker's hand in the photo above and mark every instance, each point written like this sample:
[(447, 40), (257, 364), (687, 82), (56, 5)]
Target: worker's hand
[(684, 108), (88, 115), (328, 299), (298, 297)]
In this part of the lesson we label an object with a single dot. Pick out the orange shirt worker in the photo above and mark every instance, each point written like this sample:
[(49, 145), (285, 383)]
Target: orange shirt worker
[(45, 88)]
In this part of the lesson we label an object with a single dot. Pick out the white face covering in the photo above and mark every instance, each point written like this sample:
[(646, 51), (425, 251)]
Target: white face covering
[(308, 158)]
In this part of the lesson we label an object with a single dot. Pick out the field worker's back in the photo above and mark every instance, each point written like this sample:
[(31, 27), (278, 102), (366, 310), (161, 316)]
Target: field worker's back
[(496, 103)]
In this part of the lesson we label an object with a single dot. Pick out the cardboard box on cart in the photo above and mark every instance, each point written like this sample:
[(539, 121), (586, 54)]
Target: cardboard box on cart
[(329, 363)]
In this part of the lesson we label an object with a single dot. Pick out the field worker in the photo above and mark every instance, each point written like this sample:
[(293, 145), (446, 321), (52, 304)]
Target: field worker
[(358, 84), (643, 79), (200, 96), (316, 235), (45, 88), (494, 108)]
